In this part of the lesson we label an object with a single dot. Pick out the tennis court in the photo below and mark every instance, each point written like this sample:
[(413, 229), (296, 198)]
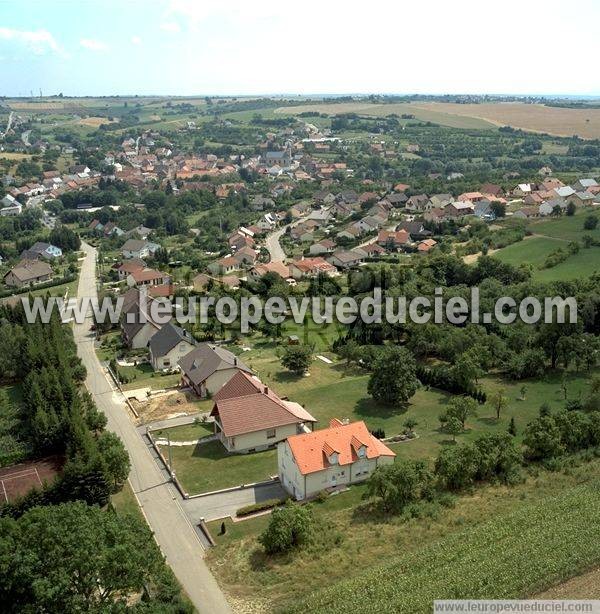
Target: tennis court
[(18, 480)]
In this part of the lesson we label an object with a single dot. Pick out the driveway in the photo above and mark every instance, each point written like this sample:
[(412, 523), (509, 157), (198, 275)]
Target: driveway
[(221, 505)]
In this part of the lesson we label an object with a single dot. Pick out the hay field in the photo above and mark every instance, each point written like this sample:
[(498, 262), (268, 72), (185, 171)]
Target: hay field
[(532, 117)]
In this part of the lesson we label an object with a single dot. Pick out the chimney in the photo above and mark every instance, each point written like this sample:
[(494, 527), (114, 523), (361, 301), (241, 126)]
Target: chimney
[(235, 361), (266, 390)]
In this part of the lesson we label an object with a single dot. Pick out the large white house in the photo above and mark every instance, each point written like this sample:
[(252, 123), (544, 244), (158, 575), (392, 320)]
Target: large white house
[(344, 453)]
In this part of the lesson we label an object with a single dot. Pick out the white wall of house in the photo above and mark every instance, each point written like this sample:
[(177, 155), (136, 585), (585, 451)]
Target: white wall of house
[(305, 486), (258, 440), (170, 360)]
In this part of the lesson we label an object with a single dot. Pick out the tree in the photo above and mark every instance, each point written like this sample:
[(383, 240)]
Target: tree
[(297, 358), (65, 238), (542, 438), (571, 208), (290, 526), (74, 558), (499, 401), (399, 484), (590, 222), (523, 392), (115, 459), (409, 425), (453, 427), (456, 466), (394, 379), (350, 351), (460, 408), (512, 427)]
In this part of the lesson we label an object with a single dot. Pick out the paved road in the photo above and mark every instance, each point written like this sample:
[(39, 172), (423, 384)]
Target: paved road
[(272, 240), (273, 245), (174, 533)]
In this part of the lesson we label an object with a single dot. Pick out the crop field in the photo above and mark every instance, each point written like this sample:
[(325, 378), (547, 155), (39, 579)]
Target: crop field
[(532, 117), (509, 557), (441, 117)]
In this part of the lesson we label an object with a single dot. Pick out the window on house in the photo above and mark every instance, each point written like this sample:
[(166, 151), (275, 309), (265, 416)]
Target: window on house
[(270, 433)]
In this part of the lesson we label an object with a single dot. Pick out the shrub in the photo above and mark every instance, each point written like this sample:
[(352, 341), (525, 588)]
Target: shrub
[(258, 507), (290, 526)]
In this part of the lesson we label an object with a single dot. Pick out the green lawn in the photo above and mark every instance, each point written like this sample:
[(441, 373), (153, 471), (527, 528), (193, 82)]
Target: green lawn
[(565, 227), (144, 376), (531, 251), (208, 466), (125, 502), (186, 432), (583, 264)]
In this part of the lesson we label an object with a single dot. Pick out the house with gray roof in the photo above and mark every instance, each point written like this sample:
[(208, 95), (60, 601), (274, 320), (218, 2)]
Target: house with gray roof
[(208, 367), (168, 346)]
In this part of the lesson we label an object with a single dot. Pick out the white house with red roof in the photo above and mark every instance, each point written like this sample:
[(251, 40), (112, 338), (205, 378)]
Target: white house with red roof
[(344, 453)]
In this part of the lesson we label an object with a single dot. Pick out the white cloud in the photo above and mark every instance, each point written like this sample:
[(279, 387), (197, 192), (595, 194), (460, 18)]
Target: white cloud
[(93, 45), (136, 40), (38, 41), (170, 26)]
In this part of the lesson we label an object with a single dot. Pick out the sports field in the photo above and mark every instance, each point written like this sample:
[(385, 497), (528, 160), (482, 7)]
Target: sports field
[(18, 480)]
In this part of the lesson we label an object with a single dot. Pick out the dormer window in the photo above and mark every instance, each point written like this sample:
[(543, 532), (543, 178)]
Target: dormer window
[(362, 451), (333, 459)]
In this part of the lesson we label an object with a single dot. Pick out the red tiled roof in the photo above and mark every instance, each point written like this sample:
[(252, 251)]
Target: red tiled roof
[(256, 412), (311, 451)]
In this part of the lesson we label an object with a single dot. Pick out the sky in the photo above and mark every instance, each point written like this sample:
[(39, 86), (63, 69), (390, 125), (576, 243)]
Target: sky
[(237, 47)]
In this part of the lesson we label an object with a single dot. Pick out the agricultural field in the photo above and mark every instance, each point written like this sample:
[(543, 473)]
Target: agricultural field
[(382, 110), (276, 583), (484, 562), (532, 117)]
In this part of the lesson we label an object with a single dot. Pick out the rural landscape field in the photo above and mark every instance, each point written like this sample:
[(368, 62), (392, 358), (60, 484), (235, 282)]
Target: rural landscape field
[(299, 307)]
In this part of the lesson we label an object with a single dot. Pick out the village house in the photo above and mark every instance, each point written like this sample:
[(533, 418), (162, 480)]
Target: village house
[(143, 276), (415, 229), (225, 265), (137, 324), (277, 267), (343, 454), (459, 209), (492, 189), (345, 259), (550, 206), (324, 246), (311, 267), (27, 274), (245, 256), (168, 346), (138, 248), (527, 212), (250, 417), (583, 199), (125, 268), (42, 250), (370, 250), (582, 185), (393, 240), (300, 209), (425, 246), (208, 367), (418, 202)]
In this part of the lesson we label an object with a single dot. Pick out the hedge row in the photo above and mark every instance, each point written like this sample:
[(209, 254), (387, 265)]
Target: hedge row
[(259, 507)]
